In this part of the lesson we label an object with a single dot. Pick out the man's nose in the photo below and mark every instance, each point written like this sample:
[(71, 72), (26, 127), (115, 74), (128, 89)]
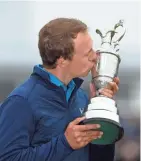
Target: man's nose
[(93, 56)]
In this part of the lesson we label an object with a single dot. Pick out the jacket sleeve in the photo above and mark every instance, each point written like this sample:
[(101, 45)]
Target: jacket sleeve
[(102, 152), (16, 122)]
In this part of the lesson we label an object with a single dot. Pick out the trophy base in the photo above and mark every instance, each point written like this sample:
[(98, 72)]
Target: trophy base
[(112, 131), (103, 111)]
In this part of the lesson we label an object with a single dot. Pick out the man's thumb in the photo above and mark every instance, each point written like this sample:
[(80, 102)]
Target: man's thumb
[(78, 120), (92, 90)]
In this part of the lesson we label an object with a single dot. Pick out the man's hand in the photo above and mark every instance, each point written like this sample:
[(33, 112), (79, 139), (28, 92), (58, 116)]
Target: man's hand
[(108, 91), (79, 136)]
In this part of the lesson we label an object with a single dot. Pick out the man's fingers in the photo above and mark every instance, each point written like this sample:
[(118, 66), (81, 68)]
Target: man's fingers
[(87, 127), (106, 91), (112, 89), (91, 133), (93, 72), (87, 138), (97, 135), (116, 80), (77, 120), (92, 90), (114, 86), (106, 94)]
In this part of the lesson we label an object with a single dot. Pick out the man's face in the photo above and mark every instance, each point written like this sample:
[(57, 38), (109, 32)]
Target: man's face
[(84, 58)]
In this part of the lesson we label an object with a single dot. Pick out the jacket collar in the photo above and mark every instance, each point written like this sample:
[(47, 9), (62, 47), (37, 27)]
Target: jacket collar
[(44, 75)]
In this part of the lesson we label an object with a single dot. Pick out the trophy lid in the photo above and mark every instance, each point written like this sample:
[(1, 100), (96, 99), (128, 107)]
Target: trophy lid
[(110, 40)]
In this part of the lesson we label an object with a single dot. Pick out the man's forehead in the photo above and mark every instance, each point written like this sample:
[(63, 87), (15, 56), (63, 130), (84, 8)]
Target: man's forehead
[(83, 40), (83, 36)]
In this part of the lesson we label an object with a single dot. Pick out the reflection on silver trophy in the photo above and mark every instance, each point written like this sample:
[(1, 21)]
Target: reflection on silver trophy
[(103, 110)]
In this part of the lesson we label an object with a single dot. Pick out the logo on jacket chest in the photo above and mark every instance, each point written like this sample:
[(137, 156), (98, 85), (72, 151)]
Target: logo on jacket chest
[(77, 108), (81, 109)]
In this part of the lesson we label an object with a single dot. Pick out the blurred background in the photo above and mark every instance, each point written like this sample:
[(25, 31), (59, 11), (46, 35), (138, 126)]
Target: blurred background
[(20, 23)]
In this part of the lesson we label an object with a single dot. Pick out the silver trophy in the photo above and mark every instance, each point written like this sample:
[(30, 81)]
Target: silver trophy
[(103, 110)]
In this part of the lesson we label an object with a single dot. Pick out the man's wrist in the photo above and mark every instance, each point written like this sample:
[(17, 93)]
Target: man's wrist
[(65, 143)]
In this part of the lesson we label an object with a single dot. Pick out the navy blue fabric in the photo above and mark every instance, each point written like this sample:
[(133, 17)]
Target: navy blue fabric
[(34, 117), (68, 89)]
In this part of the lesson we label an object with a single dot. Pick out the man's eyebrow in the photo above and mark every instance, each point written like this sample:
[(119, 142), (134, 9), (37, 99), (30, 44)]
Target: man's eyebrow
[(90, 50)]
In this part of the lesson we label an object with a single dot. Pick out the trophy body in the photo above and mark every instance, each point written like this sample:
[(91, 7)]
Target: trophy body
[(103, 110)]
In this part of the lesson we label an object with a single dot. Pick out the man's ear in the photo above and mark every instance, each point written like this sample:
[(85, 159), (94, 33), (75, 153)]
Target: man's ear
[(62, 62)]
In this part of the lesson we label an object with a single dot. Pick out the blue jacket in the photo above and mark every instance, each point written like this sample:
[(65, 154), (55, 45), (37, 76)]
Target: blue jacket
[(34, 117)]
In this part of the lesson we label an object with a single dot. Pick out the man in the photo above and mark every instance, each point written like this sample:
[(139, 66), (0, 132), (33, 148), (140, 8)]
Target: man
[(39, 120)]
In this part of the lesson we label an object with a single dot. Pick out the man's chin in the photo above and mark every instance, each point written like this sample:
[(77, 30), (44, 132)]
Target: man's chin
[(85, 74)]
